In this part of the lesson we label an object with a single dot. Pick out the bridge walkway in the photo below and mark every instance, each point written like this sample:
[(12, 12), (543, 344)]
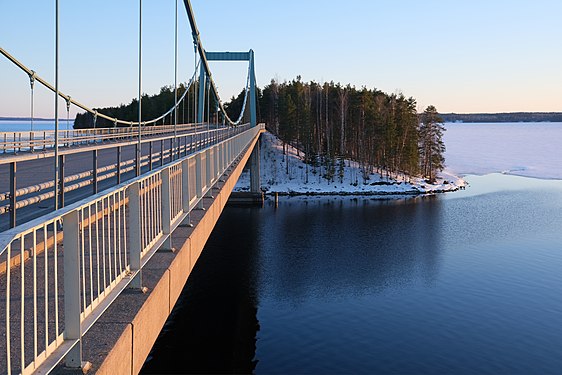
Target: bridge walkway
[(41, 290), (35, 170)]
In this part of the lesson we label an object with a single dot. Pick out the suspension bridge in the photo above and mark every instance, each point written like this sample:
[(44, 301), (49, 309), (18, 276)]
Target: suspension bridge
[(100, 227)]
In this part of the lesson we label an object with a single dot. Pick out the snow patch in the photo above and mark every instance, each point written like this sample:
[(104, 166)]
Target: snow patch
[(288, 174)]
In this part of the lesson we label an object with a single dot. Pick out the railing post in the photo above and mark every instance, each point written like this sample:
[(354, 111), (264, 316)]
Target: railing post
[(118, 171), (226, 163), (223, 157), (135, 234), (61, 181), (150, 147), (13, 189), (137, 160), (186, 198), (218, 164), (255, 169), (71, 260), (161, 152), (166, 205), (179, 146), (215, 162), (199, 180), (208, 173), (95, 171), (228, 152)]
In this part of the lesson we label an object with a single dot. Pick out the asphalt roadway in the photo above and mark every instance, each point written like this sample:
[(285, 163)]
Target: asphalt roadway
[(38, 167)]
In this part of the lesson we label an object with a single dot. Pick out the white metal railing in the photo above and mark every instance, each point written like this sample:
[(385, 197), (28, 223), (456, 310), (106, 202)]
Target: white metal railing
[(51, 300), (19, 197), (41, 140)]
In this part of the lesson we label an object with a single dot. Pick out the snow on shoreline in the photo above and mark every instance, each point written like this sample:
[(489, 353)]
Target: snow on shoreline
[(303, 179)]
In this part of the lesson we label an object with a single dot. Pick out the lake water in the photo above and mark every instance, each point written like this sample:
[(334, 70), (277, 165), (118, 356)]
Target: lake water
[(25, 126), (465, 283)]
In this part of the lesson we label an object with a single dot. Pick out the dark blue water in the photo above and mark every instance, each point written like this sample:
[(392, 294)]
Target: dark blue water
[(463, 283)]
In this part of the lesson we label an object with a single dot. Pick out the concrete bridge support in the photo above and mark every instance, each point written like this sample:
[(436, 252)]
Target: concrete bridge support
[(255, 182)]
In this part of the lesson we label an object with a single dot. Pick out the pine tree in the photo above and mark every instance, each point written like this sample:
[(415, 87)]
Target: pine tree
[(432, 146)]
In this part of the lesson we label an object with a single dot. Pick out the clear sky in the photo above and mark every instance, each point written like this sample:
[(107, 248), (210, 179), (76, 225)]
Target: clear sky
[(461, 56)]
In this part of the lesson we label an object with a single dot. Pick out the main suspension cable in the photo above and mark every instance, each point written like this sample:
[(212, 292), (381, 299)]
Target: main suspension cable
[(198, 47), (83, 106)]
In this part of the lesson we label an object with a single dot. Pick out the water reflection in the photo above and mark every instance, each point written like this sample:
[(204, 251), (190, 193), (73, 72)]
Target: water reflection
[(213, 326), (333, 247), (463, 284)]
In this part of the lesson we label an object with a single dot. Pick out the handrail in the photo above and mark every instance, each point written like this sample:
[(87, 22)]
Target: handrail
[(49, 184), (27, 140), (20, 196)]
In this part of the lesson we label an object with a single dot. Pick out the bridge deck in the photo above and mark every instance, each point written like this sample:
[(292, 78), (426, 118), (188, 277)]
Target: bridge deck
[(37, 168), (109, 334)]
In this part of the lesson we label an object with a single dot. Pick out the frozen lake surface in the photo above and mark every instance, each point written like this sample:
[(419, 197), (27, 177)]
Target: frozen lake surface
[(523, 149)]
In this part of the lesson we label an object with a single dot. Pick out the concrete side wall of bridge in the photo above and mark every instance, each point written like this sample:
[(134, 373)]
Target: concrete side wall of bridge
[(121, 340)]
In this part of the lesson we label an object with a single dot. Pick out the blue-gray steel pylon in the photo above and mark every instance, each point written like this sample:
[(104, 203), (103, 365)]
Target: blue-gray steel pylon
[(205, 73), (240, 56), (253, 118), (202, 85)]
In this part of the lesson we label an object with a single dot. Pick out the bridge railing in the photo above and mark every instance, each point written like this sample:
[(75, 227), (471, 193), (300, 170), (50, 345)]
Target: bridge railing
[(189, 138), (13, 142), (80, 258)]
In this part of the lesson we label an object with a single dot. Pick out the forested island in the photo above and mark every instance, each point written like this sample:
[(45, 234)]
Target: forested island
[(329, 123)]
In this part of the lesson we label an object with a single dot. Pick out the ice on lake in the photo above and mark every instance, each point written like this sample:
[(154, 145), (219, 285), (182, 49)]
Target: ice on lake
[(524, 149)]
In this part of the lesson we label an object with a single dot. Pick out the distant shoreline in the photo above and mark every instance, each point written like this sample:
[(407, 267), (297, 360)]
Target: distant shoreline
[(503, 117), (447, 117), (25, 119)]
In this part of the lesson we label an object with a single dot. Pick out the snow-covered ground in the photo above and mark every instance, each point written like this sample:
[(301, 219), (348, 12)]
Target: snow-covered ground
[(523, 149), (304, 179)]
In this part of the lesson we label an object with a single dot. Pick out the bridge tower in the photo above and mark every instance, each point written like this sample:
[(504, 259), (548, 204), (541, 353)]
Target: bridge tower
[(203, 79), (228, 56)]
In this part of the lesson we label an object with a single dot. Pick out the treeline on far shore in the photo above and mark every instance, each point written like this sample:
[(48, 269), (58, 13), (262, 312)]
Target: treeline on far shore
[(328, 122), (503, 117)]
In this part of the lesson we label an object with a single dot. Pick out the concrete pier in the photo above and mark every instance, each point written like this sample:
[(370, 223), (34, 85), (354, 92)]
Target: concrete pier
[(246, 198), (255, 182)]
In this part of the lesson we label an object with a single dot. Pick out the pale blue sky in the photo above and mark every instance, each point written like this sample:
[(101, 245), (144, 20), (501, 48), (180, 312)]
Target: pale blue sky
[(461, 56)]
